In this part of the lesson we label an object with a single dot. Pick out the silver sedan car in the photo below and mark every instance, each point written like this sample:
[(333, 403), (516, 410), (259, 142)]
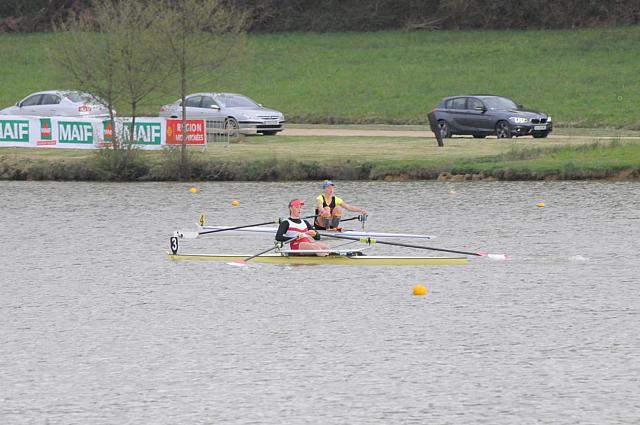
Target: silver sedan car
[(66, 103), (228, 110)]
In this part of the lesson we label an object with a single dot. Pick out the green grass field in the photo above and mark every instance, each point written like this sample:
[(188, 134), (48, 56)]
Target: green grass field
[(583, 78)]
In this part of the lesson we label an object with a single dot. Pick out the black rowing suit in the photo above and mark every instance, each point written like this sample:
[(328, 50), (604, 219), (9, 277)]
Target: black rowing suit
[(334, 202)]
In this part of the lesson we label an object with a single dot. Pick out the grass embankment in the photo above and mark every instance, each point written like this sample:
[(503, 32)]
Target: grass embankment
[(583, 78), (568, 156)]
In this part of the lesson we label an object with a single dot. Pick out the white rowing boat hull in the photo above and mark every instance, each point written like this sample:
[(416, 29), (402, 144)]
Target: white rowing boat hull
[(343, 260)]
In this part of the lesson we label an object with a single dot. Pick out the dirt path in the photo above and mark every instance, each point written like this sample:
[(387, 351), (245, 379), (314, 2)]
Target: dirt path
[(354, 132), (341, 132)]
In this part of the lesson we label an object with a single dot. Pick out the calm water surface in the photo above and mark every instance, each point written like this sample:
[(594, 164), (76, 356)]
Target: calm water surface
[(98, 327)]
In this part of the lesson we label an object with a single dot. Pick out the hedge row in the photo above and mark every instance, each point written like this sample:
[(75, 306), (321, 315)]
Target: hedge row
[(371, 15)]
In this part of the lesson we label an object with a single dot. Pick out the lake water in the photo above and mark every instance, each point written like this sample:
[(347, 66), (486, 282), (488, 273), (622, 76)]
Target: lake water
[(99, 327)]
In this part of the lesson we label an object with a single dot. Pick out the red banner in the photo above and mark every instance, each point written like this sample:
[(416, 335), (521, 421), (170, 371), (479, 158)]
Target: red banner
[(195, 132)]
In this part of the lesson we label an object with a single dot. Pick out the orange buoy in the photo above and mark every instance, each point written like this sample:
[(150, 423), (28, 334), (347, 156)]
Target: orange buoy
[(419, 290)]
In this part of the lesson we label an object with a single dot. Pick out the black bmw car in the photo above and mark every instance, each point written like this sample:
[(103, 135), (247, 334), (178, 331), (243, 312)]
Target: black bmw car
[(484, 115)]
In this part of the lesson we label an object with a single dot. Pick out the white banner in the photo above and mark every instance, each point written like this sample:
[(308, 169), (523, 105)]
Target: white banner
[(150, 133)]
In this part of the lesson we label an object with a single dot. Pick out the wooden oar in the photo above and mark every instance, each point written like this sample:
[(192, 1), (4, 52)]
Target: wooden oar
[(244, 262), (194, 235), (406, 245)]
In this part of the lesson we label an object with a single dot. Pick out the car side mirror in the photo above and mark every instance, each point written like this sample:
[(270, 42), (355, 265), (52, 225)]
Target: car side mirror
[(480, 108), (216, 107), (18, 105)]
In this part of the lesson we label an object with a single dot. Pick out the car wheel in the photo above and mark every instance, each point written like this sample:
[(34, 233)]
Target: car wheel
[(540, 135), (479, 136), (269, 133), (503, 130), (445, 130), (231, 125)]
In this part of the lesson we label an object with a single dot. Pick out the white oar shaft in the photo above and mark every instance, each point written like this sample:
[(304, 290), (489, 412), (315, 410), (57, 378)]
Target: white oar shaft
[(370, 240), (235, 263)]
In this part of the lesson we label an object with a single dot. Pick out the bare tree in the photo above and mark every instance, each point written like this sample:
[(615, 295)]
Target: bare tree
[(113, 50), (87, 54), (200, 36)]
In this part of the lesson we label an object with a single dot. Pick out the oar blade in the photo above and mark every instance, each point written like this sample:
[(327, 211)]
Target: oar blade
[(496, 257), (238, 263), (499, 257)]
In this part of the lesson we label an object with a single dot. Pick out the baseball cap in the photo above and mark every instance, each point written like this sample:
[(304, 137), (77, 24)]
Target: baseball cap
[(327, 183), (295, 203)]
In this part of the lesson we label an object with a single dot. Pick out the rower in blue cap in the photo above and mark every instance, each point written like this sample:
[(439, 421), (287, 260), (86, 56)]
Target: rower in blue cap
[(329, 208)]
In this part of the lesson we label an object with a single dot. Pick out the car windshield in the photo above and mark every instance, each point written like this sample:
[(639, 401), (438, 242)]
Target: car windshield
[(499, 103), (81, 97), (235, 101)]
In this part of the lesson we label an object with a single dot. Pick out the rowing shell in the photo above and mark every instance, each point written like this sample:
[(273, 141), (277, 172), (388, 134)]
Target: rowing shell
[(342, 260), (354, 233)]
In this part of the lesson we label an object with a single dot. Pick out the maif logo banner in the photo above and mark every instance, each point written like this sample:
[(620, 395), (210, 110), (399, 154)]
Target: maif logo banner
[(77, 132), (46, 133), (14, 131)]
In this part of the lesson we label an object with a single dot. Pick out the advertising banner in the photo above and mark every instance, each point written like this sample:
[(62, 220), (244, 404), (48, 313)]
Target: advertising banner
[(15, 131), (107, 133), (95, 133), (75, 132), (195, 132), (148, 134), (46, 133)]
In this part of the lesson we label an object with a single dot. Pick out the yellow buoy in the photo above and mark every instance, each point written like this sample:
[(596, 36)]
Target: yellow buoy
[(419, 290), (193, 190), (540, 205), (235, 202)]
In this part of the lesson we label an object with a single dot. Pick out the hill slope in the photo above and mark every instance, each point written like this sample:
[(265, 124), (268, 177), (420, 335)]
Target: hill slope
[(583, 78)]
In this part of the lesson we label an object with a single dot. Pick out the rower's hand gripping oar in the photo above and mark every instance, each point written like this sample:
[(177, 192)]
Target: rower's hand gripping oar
[(194, 235), (372, 241), (277, 245), (361, 218)]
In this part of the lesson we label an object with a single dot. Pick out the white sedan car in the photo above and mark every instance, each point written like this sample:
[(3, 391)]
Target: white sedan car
[(66, 103), (228, 110)]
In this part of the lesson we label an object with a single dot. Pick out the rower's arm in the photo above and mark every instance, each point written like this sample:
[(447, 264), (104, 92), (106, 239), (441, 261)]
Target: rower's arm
[(282, 229), (319, 204), (353, 208), (311, 227)]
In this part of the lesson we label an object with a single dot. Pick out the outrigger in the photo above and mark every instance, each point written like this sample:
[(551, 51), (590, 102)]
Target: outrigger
[(357, 256)]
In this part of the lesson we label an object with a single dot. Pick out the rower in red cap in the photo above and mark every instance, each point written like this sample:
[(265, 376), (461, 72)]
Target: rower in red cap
[(329, 208), (302, 230)]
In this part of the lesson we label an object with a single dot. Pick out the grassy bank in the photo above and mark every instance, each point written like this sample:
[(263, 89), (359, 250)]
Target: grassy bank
[(583, 78), (569, 156)]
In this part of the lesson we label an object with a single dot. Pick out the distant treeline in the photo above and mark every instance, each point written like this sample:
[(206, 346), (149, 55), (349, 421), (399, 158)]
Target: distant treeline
[(371, 15)]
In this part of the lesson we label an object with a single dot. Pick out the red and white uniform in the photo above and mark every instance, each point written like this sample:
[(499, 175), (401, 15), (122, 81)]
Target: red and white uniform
[(292, 228)]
